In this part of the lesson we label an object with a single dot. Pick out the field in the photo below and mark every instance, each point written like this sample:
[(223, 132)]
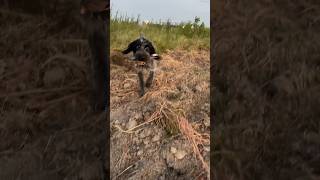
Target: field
[(265, 90), (164, 134), (166, 36)]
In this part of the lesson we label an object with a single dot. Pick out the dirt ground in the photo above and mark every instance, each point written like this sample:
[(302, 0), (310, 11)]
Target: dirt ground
[(148, 140), (46, 127)]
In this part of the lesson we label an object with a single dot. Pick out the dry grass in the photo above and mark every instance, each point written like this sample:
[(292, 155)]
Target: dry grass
[(195, 140), (173, 91), (265, 91), (44, 112)]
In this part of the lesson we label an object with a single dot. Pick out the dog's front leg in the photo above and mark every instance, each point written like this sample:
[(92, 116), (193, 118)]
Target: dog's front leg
[(151, 68), (150, 79), (141, 83)]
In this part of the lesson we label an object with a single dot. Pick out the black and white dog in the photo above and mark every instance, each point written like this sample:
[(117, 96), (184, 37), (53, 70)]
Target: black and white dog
[(144, 51)]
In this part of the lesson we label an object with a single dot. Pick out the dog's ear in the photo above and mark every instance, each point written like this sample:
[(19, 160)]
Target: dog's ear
[(151, 48), (131, 47), (128, 50)]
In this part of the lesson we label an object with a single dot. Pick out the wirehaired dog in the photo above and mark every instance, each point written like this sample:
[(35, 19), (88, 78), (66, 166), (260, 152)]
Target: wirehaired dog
[(145, 54)]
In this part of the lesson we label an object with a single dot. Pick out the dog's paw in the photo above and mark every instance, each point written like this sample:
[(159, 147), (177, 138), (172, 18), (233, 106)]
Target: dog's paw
[(141, 93)]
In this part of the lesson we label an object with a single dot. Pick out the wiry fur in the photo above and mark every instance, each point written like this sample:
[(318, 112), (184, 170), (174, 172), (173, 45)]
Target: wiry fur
[(143, 50)]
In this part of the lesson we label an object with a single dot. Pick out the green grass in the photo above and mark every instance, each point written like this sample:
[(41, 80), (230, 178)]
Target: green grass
[(191, 35)]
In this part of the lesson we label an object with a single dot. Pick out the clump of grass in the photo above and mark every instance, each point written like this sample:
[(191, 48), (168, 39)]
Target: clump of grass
[(164, 35), (195, 139)]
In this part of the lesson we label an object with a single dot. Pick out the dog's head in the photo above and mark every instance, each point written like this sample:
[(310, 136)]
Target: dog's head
[(142, 50)]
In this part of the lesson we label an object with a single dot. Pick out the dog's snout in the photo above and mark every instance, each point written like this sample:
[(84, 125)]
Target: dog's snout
[(141, 55)]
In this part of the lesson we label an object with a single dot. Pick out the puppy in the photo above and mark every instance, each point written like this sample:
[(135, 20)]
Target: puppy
[(143, 51)]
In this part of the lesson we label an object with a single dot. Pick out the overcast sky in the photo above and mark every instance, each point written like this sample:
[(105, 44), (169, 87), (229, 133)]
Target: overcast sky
[(175, 10)]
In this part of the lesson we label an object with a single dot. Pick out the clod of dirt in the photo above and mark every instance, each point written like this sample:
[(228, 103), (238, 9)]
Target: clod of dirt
[(206, 148), (135, 140), (174, 95), (173, 150), (143, 134), (116, 122), (207, 121), (126, 85), (148, 107), (156, 138), (146, 141), (132, 123), (138, 116), (118, 116), (206, 108), (53, 76), (180, 154), (198, 88), (140, 152)]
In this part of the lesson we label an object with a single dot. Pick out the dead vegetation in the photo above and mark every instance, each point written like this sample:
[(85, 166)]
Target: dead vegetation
[(181, 80), (266, 90), (47, 128)]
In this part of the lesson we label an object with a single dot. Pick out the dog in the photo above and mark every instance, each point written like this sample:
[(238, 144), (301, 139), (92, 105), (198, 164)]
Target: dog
[(145, 53)]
